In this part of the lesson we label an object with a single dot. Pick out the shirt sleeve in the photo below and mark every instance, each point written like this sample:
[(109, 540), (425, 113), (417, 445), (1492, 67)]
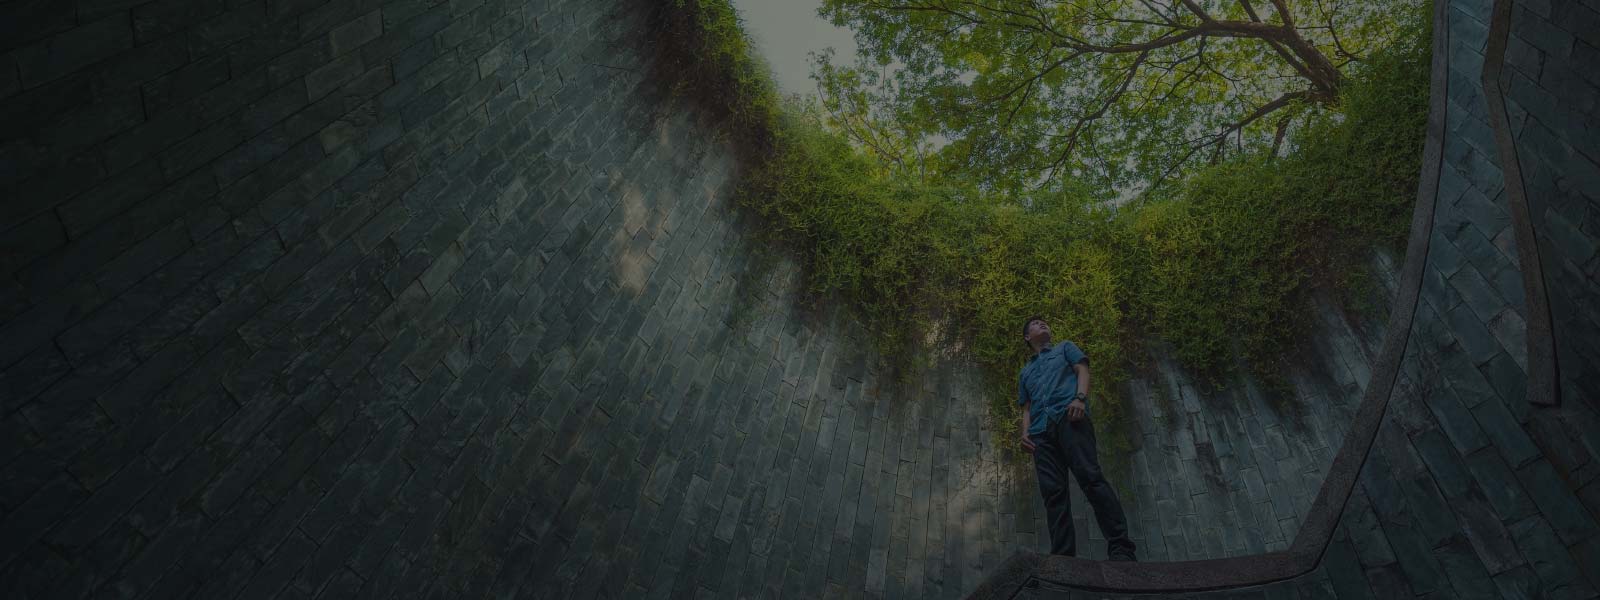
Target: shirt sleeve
[(1022, 390), (1073, 354)]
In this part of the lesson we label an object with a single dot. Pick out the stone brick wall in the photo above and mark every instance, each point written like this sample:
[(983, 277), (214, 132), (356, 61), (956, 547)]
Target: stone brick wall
[(1471, 490), (1232, 471), (1553, 100), (347, 298), (1465, 493), (340, 298)]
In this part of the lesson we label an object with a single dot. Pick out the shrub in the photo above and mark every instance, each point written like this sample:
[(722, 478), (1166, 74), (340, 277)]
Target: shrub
[(1219, 266)]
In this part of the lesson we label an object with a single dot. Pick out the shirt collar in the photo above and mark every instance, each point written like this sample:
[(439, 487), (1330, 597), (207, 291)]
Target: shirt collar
[(1047, 347)]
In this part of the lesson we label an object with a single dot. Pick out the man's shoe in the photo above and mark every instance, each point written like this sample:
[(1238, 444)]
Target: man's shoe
[(1124, 558)]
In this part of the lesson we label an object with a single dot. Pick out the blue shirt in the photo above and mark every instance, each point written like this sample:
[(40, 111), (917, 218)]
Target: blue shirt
[(1050, 382)]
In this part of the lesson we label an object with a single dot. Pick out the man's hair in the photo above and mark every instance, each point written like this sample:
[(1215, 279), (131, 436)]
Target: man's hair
[(1025, 325)]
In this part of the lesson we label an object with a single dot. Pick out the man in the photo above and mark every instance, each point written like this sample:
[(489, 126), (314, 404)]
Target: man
[(1057, 430)]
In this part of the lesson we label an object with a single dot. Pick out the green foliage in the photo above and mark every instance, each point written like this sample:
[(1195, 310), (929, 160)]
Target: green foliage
[(1218, 267), (1122, 94), (1226, 261), (704, 53)]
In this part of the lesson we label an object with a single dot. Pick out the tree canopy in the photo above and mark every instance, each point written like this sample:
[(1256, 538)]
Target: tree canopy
[(1116, 95)]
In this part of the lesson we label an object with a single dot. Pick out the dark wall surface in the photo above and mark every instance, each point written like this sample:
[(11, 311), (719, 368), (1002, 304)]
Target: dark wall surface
[(1474, 486), (338, 298), (1552, 89), (345, 298)]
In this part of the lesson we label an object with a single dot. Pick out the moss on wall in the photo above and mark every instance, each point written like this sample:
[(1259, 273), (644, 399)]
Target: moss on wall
[(1218, 267)]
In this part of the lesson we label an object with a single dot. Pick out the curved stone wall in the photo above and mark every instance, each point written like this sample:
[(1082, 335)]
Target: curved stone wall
[(419, 298), (1232, 472), (347, 298), (1475, 485)]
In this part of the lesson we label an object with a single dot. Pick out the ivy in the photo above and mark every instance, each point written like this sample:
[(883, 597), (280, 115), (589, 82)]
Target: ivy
[(1220, 267)]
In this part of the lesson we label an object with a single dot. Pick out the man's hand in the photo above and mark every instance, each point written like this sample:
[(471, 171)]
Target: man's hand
[(1027, 442), (1075, 411)]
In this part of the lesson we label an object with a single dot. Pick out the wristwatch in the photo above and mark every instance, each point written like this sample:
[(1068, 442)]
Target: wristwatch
[(1081, 396)]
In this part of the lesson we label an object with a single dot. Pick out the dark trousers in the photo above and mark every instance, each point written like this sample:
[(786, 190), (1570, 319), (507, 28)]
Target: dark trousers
[(1069, 446)]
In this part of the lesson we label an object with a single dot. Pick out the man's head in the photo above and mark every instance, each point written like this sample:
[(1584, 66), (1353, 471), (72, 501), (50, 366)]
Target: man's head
[(1035, 332)]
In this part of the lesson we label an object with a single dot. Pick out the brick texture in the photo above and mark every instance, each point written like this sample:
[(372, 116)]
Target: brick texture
[(349, 298)]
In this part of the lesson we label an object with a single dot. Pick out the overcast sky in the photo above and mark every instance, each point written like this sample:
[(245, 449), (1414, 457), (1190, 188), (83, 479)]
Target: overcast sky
[(786, 31)]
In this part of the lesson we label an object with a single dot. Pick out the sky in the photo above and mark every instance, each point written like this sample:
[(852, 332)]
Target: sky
[(786, 31)]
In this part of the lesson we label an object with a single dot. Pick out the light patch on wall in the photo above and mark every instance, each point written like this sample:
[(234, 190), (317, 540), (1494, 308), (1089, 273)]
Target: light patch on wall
[(663, 134), (631, 242), (515, 193)]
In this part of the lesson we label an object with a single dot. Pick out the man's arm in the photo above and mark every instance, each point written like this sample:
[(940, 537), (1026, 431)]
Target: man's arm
[(1024, 401), (1027, 422), (1077, 409)]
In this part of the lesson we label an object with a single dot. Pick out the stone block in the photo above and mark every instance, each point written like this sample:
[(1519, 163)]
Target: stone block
[(1549, 558), (1547, 152), (427, 104), (278, 278), (1500, 485), (1488, 214), (1586, 53), (1558, 505), (73, 49), (1443, 255), (174, 319), (79, 130), (1520, 582), (1477, 293), (295, 64), (183, 84), (1507, 379), (1540, 33), (1444, 464), (1582, 20), (350, 36), (395, 39), (1524, 57), (1457, 422), (438, 273), (1474, 337), (360, 95), (290, 556), (1509, 328), (114, 195), (414, 57), (272, 39), (141, 64), (199, 149), (1588, 553), (29, 20), (23, 113), (1570, 241), (214, 34), (493, 58), (1466, 575), (361, 474), (1508, 281), (31, 240), (331, 76), (242, 269), (1481, 253)]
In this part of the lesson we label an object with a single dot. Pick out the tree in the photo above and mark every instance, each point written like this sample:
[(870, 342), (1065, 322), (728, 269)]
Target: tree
[(854, 100), (1121, 94)]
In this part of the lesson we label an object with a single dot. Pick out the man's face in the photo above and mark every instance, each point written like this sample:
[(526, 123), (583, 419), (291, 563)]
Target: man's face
[(1038, 331)]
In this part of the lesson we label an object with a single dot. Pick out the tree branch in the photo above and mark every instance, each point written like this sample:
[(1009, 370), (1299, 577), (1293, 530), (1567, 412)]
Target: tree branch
[(1277, 138), (1081, 124)]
